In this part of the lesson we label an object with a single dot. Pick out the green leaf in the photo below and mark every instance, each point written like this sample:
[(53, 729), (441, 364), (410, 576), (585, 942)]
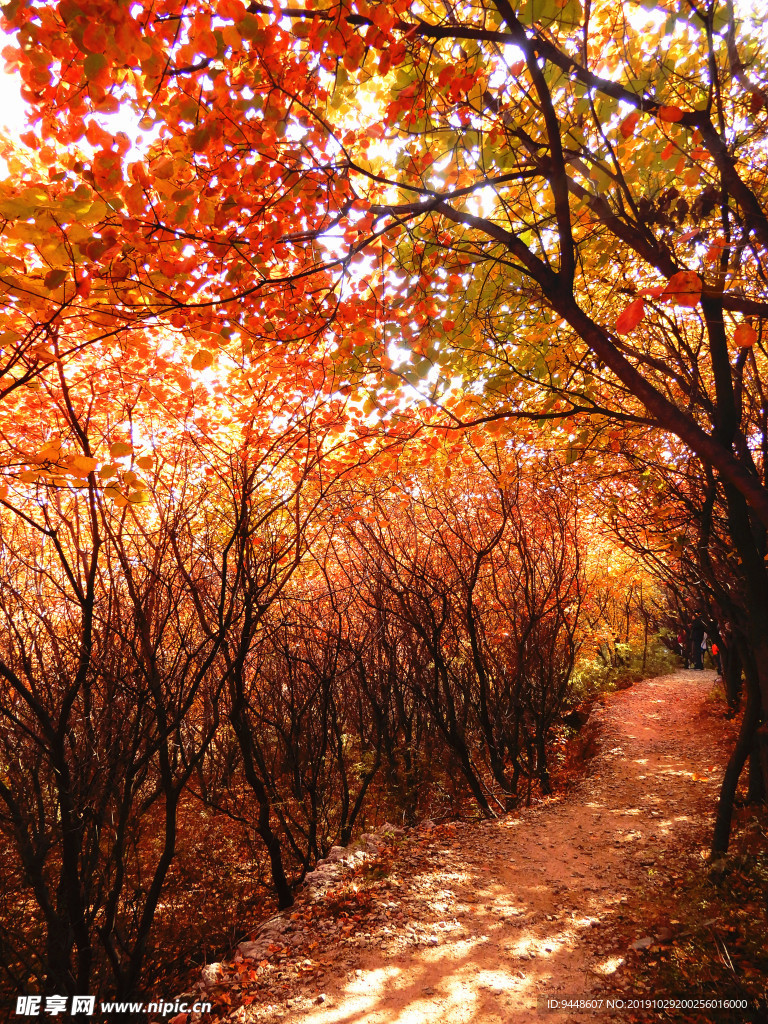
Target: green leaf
[(182, 212), (94, 64), (720, 17), (250, 28)]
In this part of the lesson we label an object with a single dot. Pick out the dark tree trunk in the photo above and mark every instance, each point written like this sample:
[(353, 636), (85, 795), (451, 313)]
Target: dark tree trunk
[(742, 750)]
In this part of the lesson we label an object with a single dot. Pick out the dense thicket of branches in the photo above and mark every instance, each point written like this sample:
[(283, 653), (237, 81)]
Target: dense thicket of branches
[(277, 659)]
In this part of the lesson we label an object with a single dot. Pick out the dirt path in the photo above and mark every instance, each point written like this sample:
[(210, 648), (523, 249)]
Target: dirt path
[(480, 921)]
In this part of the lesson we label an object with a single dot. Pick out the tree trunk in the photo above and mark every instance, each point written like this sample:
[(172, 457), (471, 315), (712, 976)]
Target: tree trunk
[(742, 750)]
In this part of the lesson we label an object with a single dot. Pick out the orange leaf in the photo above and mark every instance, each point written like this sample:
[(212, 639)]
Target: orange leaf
[(684, 288), (233, 9), (670, 114), (745, 335), (631, 317), (81, 465), (202, 360), (382, 17), (95, 37)]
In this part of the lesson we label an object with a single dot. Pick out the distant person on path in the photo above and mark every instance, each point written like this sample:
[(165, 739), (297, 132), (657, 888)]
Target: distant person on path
[(620, 662), (716, 656), (697, 644), (717, 650)]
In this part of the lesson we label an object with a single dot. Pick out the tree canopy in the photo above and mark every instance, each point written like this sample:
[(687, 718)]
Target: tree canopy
[(563, 205)]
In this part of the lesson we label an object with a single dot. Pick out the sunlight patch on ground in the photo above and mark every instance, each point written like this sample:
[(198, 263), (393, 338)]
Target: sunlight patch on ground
[(428, 999), (585, 922), (609, 966), (522, 947), (373, 980)]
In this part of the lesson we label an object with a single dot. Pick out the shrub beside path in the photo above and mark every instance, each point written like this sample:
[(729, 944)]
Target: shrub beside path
[(479, 922)]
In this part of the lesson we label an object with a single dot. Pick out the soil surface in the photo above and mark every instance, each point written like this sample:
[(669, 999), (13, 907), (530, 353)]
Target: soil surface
[(480, 922)]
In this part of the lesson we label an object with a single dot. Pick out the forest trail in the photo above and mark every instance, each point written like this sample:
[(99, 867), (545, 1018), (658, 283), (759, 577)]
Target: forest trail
[(478, 922)]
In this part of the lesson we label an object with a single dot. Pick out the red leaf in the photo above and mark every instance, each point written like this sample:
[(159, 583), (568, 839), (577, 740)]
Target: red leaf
[(631, 317), (628, 125), (84, 287), (670, 114)]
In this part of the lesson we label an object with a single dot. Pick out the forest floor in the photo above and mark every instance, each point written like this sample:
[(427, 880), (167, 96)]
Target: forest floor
[(601, 892)]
